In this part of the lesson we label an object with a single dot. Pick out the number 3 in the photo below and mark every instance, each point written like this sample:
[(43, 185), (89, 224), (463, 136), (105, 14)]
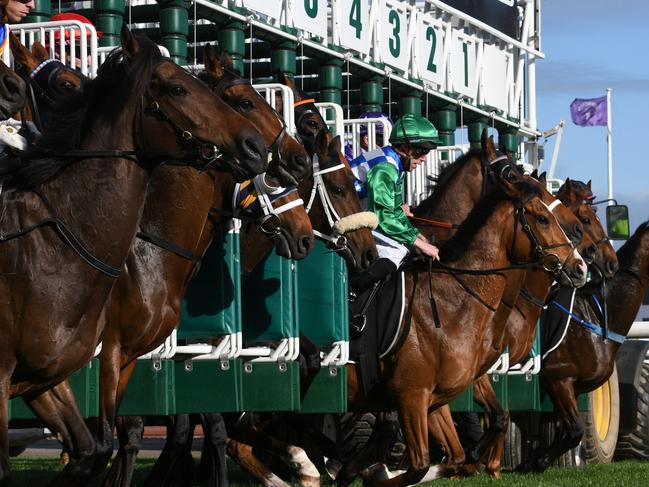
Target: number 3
[(395, 42)]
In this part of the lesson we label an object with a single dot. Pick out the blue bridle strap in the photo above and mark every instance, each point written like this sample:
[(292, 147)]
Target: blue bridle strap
[(592, 327)]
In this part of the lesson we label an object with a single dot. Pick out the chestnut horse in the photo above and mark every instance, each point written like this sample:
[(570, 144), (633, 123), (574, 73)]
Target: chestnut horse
[(520, 328), (140, 110), (585, 360), (437, 359)]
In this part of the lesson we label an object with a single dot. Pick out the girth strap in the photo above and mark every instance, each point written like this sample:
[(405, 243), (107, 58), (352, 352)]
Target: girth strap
[(166, 245)]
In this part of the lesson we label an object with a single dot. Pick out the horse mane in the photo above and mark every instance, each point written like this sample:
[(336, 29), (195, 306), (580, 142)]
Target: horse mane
[(454, 248), (445, 176), (119, 79), (627, 253)]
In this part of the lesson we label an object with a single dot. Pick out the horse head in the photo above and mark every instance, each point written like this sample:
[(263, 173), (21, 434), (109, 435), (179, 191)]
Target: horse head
[(334, 207), (538, 233), (308, 120), (180, 115), (289, 163), (12, 92)]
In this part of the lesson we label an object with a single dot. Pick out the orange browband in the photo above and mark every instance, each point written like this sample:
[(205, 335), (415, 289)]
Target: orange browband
[(304, 102)]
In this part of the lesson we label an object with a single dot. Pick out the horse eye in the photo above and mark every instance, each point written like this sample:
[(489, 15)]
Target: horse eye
[(178, 91), (339, 191), (541, 219), (585, 221), (312, 124), (246, 105), (67, 86)]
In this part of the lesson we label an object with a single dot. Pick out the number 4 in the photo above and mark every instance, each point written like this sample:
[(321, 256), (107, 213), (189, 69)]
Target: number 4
[(355, 18)]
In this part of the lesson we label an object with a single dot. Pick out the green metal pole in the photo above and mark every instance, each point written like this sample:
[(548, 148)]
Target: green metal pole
[(174, 25), (110, 16), (410, 102), (445, 121), (41, 12), (330, 75), (508, 138), (476, 126), (283, 58), (232, 38), (372, 94)]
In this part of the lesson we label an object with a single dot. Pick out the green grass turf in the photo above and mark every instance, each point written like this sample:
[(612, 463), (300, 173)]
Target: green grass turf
[(35, 472)]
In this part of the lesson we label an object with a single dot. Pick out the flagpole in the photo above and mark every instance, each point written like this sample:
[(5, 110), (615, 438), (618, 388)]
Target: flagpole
[(609, 139)]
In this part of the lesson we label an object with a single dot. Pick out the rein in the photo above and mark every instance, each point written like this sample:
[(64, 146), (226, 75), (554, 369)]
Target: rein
[(67, 235)]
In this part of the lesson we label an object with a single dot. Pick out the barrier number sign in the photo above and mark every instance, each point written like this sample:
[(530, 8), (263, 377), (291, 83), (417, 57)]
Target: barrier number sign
[(394, 37), (463, 65), (270, 8), (311, 16), (494, 77), (355, 25), (430, 49)]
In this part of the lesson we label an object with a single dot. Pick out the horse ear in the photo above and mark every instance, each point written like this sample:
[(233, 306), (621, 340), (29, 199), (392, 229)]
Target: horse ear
[(321, 142), (39, 52), (285, 80), (483, 140), (335, 146), (211, 61), (543, 177), (588, 185), (488, 146), (130, 44), (508, 183), (535, 174), (21, 54), (226, 61)]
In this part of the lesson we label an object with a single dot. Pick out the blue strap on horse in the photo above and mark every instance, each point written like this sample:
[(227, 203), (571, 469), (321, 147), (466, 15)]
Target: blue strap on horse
[(592, 327)]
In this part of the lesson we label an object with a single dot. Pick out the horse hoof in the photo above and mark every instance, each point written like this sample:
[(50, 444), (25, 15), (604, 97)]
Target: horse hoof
[(64, 459), (374, 474), (333, 466), (309, 481)]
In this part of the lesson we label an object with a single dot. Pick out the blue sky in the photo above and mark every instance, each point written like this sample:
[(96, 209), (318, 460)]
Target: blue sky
[(591, 45)]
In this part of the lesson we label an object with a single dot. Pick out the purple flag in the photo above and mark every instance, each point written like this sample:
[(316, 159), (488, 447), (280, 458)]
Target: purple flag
[(589, 112)]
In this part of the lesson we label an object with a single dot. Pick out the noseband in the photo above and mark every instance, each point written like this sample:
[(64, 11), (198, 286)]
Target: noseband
[(255, 195)]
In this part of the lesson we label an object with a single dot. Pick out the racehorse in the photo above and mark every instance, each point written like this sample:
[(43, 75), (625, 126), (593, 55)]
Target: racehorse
[(12, 92), (520, 328), (64, 249), (48, 80), (585, 359), (437, 359)]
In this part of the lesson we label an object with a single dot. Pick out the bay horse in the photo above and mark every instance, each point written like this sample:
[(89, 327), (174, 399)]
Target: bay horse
[(435, 362), (48, 80), (460, 186), (13, 92), (585, 359), (63, 248), (521, 321)]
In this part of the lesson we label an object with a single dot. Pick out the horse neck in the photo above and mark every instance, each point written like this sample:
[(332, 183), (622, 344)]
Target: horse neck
[(454, 201), (177, 205), (624, 292), (254, 246), (105, 207)]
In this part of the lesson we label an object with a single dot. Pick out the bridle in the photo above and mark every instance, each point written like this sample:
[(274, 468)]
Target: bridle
[(256, 195)]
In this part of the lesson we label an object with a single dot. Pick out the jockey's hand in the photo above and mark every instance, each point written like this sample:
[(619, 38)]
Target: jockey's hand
[(426, 248), (406, 209)]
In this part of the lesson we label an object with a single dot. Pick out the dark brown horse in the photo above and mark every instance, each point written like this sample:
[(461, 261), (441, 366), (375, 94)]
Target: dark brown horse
[(65, 249), (48, 80), (289, 162), (12, 92), (437, 361)]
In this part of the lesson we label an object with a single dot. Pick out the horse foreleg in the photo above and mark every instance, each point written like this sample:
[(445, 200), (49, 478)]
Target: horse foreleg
[(130, 430), (413, 416), (5, 469), (213, 468), (484, 395), (242, 454), (58, 409), (442, 429), (175, 465)]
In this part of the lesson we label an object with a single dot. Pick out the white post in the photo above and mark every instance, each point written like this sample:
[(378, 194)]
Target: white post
[(610, 143)]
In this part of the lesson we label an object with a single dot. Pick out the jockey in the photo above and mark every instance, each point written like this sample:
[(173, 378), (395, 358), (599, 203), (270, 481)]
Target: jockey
[(364, 137), (379, 182)]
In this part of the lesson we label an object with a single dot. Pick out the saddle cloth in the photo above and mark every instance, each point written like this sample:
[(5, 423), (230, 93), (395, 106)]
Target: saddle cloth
[(384, 315), (554, 321)]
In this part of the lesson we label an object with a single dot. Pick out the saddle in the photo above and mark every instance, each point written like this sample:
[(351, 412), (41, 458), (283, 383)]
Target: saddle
[(375, 317)]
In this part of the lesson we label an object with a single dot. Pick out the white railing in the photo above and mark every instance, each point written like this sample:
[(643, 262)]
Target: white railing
[(332, 113), (74, 43), (354, 126), (270, 91)]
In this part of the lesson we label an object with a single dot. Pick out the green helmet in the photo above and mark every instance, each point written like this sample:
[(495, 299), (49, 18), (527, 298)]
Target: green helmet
[(414, 130)]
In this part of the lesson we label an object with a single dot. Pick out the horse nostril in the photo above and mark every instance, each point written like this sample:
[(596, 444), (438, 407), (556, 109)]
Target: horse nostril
[(255, 148), (577, 233), (305, 243), (590, 252), (611, 267), (12, 86)]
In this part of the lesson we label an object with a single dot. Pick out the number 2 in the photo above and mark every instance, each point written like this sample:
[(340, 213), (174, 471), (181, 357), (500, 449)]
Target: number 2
[(431, 36)]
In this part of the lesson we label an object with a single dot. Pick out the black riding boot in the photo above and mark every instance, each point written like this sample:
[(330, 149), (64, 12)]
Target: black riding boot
[(379, 270)]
